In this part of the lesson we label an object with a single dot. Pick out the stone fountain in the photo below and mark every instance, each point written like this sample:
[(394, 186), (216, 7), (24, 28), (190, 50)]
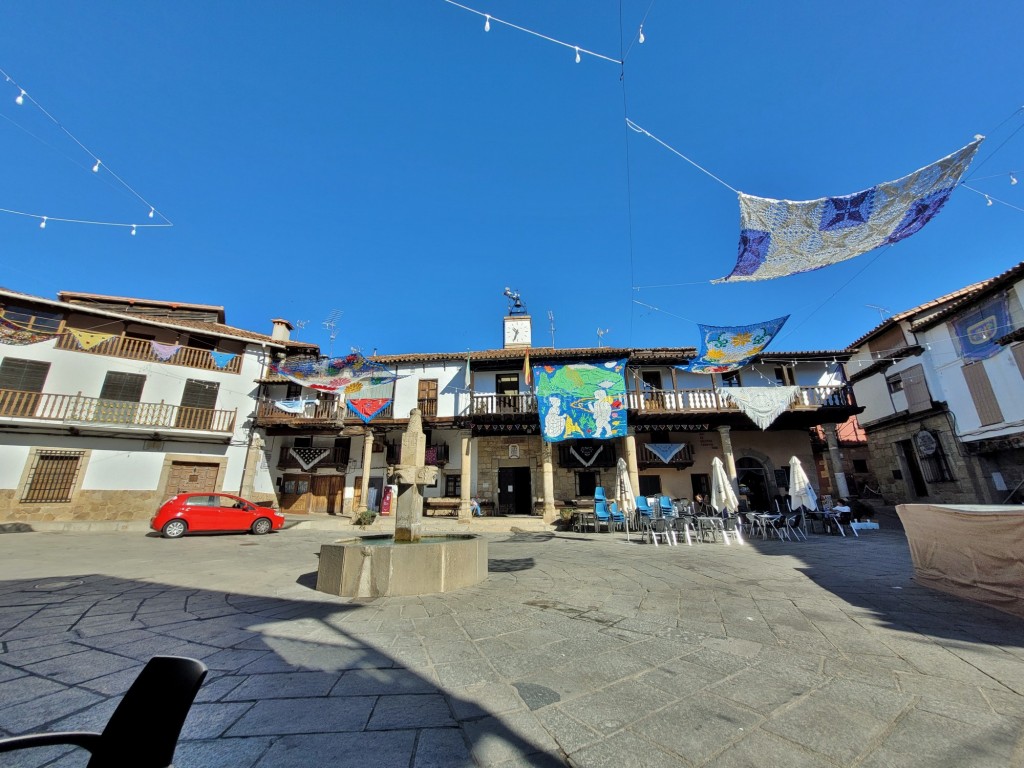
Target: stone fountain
[(407, 563)]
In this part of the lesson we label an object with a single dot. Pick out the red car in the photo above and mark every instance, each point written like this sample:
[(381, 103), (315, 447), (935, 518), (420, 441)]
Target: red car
[(196, 512)]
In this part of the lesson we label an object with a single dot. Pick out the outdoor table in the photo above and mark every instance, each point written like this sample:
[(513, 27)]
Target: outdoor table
[(765, 519)]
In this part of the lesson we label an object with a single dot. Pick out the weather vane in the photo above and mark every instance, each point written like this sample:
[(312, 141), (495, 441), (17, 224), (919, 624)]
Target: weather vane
[(515, 304)]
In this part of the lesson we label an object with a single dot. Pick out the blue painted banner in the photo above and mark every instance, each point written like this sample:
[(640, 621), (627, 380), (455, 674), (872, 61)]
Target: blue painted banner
[(581, 400)]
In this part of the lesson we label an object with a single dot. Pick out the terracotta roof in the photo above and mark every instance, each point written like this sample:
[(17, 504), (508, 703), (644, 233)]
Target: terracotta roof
[(936, 304), (542, 354), (818, 354), (73, 296), (984, 289)]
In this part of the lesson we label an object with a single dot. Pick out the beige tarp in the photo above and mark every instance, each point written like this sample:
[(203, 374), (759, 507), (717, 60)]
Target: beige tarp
[(976, 552)]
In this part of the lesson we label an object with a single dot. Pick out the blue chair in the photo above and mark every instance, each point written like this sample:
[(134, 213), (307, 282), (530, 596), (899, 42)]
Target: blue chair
[(643, 508), (599, 494), (618, 519), (602, 516)]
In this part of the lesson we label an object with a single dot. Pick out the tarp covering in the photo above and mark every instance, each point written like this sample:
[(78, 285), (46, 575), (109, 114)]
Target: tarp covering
[(970, 551), (581, 400), (785, 237), (977, 329), (729, 347)]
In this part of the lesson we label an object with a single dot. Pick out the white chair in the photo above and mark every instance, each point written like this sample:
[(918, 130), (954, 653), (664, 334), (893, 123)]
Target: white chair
[(731, 528)]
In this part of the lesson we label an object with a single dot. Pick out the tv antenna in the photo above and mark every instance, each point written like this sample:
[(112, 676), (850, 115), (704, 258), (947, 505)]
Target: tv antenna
[(882, 311), (331, 324), (551, 322), (600, 336), (299, 324)]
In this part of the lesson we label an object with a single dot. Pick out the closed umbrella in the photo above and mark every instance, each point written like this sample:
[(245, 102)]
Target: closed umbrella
[(722, 494), (626, 498), (800, 491)]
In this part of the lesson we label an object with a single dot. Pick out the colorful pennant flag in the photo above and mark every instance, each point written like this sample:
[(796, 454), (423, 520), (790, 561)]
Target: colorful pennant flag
[(307, 457), (164, 351), (222, 359), (726, 348), (368, 407), (89, 339), (581, 400)]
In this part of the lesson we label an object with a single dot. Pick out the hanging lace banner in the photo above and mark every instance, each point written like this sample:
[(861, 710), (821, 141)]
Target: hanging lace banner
[(294, 406), (785, 237), (307, 457), (581, 400), (665, 451), (18, 336), (164, 351), (977, 329), (368, 407), (726, 348), (333, 374), (762, 404)]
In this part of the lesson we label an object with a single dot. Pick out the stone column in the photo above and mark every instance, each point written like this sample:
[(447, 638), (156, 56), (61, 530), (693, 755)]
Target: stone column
[(548, 478), (730, 459), (411, 474), (364, 489), (252, 462), (634, 470), (832, 438), (466, 474)]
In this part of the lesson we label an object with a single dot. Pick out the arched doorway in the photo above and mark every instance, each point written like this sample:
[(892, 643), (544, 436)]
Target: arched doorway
[(753, 482)]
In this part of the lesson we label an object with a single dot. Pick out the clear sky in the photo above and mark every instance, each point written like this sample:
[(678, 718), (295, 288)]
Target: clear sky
[(391, 159)]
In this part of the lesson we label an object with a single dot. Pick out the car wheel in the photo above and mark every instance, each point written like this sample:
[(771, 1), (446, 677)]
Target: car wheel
[(175, 529), (261, 526)]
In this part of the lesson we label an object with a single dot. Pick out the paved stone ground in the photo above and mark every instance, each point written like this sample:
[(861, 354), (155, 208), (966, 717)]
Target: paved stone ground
[(579, 649)]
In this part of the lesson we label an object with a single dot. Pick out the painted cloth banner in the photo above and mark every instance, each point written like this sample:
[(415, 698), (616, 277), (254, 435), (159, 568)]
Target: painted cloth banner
[(368, 407), (785, 237), (581, 400), (665, 451), (726, 348), (293, 406), (222, 359), (307, 457), (89, 339), (333, 374), (976, 330), (762, 404), (16, 335), (164, 351)]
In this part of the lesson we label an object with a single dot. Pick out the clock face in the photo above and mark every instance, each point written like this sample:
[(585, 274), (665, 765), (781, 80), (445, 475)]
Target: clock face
[(517, 332)]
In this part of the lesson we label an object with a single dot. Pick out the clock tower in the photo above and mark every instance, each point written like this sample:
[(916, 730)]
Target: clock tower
[(517, 329)]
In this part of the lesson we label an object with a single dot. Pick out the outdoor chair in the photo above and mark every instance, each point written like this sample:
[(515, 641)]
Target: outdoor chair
[(602, 516), (657, 527), (599, 494), (685, 525), (618, 519), (643, 508), (665, 504), (143, 731), (794, 528), (777, 525), (731, 529)]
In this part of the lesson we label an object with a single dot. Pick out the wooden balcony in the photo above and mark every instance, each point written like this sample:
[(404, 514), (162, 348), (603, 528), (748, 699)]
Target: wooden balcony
[(338, 459), (141, 349), (712, 401), (645, 459), (521, 404), (77, 410), (317, 413)]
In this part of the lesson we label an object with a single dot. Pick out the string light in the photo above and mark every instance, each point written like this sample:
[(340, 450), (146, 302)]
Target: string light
[(133, 230), (42, 224), (20, 98), (1013, 180), (152, 210), (577, 54), (641, 38), (487, 23), (988, 200), (96, 168)]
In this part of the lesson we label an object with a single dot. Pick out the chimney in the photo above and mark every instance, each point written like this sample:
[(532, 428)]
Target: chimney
[(282, 330)]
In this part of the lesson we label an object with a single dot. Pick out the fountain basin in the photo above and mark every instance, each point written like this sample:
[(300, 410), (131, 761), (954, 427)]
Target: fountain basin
[(377, 566)]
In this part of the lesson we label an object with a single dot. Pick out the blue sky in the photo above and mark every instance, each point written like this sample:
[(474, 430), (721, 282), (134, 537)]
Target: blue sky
[(394, 161)]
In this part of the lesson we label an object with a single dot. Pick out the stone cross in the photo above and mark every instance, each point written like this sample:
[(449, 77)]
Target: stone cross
[(411, 474)]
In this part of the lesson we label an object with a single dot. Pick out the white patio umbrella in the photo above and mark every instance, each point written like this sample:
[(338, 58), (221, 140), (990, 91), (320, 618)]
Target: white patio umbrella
[(800, 491), (723, 496), (627, 500)]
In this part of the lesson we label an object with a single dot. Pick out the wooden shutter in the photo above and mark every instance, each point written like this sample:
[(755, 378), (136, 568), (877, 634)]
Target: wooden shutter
[(984, 398), (1018, 355), (23, 375), (916, 389), (200, 394), (126, 387)]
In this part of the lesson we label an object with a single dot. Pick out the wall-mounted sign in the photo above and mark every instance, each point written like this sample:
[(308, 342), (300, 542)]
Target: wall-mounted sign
[(513, 451), (926, 443)]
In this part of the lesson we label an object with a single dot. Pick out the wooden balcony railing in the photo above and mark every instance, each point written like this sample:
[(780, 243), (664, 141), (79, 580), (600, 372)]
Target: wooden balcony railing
[(329, 411), (338, 458), (141, 349), (707, 400), (77, 409), (523, 403), (427, 406), (645, 459)]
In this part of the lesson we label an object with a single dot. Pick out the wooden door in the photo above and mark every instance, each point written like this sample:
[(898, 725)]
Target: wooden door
[(426, 397), (326, 494), (295, 496), (357, 494), (187, 477)]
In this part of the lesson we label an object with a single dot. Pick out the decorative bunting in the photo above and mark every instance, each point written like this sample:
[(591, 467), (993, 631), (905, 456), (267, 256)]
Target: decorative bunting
[(977, 329), (730, 347), (333, 374), (222, 359), (294, 406), (368, 407), (307, 457), (581, 400), (591, 460), (665, 451), (762, 405), (19, 336), (783, 237), (164, 351), (89, 339)]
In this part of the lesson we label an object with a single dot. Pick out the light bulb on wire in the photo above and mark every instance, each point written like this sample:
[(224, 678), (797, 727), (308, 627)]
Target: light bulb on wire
[(133, 230), (988, 200), (487, 23), (96, 168), (1013, 179), (42, 224), (641, 38), (152, 210), (20, 98), (577, 54)]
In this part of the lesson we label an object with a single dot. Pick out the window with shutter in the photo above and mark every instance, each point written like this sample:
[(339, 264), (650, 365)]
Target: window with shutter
[(984, 398), (197, 404), (916, 389), (126, 387), (1018, 355), (23, 375)]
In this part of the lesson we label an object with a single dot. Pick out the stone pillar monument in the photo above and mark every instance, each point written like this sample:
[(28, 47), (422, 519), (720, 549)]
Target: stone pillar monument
[(832, 439), (364, 490), (466, 474), (548, 481), (411, 474)]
